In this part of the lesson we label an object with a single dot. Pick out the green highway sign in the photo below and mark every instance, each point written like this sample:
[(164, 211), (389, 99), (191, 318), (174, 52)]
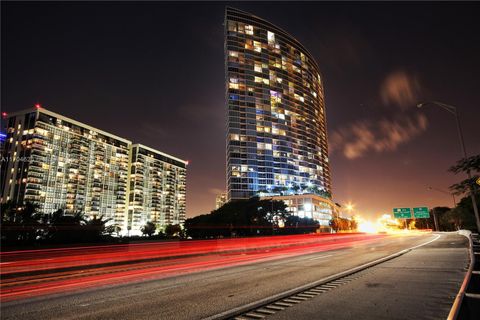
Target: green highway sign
[(421, 212), (402, 213)]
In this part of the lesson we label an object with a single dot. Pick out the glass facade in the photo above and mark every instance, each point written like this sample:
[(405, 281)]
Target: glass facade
[(276, 127), (59, 163), (157, 189), (309, 206)]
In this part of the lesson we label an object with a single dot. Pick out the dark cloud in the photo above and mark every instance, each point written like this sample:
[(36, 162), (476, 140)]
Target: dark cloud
[(362, 137), (400, 89)]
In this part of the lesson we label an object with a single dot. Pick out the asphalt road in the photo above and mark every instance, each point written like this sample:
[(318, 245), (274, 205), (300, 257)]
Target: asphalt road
[(201, 294), (421, 284)]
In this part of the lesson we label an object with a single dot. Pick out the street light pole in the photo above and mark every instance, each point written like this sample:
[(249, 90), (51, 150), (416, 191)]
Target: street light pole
[(453, 110)]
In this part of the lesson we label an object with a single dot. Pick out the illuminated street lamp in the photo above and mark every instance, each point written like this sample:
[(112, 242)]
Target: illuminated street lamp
[(453, 110), (349, 207)]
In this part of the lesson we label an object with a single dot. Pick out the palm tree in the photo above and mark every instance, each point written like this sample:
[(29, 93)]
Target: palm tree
[(66, 228), (95, 228)]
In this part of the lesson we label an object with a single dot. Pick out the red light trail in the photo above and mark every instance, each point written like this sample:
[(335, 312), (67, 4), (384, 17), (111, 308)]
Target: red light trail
[(39, 272)]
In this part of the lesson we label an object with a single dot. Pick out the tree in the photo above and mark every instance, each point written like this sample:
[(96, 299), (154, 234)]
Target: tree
[(113, 228), (95, 228), (470, 166), (353, 224), (20, 224), (29, 219), (8, 211), (173, 230), (297, 225), (460, 217), (149, 229), (429, 223), (341, 224), (66, 227), (239, 218)]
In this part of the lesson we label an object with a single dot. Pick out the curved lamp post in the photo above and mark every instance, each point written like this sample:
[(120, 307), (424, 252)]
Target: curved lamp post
[(453, 110)]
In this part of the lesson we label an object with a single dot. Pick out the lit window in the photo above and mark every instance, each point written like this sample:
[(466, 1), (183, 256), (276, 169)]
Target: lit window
[(241, 28), (258, 67), (271, 38), (232, 26), (233, 83), (249, 29), (273, 76), (257, 46), (291, 88)]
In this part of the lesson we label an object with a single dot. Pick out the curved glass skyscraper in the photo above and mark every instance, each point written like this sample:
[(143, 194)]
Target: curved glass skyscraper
[(276, 128)]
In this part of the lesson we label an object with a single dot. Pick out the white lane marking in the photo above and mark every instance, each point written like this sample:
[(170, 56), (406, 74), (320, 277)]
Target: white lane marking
[(307, 286), (423, 244), (321, 257)]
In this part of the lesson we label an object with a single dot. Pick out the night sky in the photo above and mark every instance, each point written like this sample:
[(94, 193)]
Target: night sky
[(153, 72)]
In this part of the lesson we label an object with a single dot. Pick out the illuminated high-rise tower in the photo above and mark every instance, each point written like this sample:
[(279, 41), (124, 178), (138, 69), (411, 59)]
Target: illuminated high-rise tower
[(276, 127)]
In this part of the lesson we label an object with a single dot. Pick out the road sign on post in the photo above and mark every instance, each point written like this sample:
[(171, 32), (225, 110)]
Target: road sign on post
[(402, 213), (421, 212)]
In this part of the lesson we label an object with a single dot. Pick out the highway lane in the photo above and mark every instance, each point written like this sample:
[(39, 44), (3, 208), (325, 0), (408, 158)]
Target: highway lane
[(421, 284), (50, 259), (50, 272), (196, 295)]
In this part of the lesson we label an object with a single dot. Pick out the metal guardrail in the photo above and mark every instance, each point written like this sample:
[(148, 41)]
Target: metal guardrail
[(467, 304)]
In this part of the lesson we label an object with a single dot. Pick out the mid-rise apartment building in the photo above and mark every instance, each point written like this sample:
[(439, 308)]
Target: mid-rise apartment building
[(157, 188), (59, 163)]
